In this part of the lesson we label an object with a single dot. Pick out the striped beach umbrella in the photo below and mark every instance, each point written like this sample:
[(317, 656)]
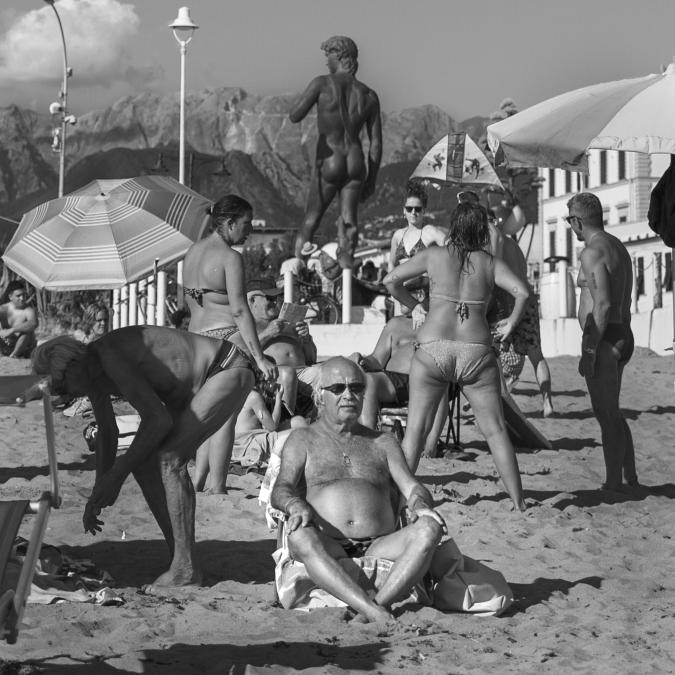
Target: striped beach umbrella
[(107, 234)]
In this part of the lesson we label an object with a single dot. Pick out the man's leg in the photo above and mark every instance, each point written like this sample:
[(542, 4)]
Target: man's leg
[(379, 389), (629, 468), (431, 444), (411, 550), (603, 389), (319, 555), (543, 375), (221, 397), (24, 345)]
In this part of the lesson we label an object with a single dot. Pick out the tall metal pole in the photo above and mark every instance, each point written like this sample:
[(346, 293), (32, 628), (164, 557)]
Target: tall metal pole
[(63, 96), (181, 137)]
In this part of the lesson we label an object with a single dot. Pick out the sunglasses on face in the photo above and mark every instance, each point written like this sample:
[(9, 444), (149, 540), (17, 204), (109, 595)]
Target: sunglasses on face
[(340, 388), (570, 219), (414, 209)]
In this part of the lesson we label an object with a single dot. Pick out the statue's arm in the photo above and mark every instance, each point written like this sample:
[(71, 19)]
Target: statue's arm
[(306, 100)]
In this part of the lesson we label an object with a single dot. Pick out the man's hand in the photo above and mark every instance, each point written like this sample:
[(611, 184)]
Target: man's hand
[(302, 330), (268, 369), (429, 513), (90, 519), (6, 332), (300, 514), (587, 363), (275, 327)]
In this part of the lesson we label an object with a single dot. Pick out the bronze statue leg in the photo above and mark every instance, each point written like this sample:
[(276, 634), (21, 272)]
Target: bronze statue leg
[(321, 194)]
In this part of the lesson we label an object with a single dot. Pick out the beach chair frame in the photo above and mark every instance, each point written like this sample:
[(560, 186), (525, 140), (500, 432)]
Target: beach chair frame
[(17, 390)]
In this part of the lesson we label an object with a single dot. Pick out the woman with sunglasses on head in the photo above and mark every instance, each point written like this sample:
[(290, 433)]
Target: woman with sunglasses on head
[(454, 344), (416, 236), (214, 286)]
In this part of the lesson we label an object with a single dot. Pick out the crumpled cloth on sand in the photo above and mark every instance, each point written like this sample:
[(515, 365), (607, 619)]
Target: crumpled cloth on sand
[(59, 578)]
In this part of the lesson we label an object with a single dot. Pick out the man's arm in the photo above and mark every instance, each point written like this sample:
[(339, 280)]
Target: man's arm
[(307, 100), (269, 421), (286, 496), (418, 498), (308, 347), (507, 279), (598, 282), (28, 322), (374, 130)]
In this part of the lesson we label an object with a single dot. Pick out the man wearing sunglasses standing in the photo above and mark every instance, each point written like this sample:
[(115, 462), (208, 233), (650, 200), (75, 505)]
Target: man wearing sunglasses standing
[(606, 282), (335, 487)]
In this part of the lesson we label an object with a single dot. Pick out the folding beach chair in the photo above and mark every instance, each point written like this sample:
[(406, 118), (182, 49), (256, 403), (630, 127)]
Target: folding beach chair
[(396, 418), (16, 390)]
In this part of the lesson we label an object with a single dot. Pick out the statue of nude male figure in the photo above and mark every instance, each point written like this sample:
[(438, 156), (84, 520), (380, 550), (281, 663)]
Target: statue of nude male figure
[(344, 108)]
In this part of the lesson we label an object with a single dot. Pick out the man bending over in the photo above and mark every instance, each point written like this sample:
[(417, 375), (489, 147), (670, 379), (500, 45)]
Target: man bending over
[(335, 487)]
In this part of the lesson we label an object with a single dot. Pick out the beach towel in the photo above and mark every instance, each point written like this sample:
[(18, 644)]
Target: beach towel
[(60, 578)]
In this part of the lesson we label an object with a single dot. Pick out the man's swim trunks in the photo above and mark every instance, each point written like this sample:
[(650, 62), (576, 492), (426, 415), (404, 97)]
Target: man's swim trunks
[(526, 334), (356, 548), (400, 383), (620, 336)]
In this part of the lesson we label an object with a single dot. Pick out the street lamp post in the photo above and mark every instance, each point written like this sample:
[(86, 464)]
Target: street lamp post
[(183, 29), (61, 106)]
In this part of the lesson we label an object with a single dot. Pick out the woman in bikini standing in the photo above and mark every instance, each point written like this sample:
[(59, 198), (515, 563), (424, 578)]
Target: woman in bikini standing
[(455, 344), (215, 293), (416, 236)]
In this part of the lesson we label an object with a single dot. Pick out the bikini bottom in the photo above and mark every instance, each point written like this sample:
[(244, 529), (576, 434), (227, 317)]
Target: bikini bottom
[(462, 362)]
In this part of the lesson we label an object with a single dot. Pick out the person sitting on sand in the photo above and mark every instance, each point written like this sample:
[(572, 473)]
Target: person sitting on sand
[(258, 430), (213, 278), (18, 322), (335, 487), (183, 386), (606, 282), (454, 343)]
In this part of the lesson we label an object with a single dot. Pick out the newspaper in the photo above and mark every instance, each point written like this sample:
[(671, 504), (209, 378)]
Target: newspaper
[(293, 312)]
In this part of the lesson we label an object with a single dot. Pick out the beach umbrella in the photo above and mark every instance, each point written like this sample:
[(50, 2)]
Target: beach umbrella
[(634, 115), (457, 160), (107, 234)]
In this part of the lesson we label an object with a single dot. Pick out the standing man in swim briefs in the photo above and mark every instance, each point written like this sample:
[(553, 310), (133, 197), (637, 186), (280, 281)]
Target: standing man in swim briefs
[(606, 282), (344, 106)]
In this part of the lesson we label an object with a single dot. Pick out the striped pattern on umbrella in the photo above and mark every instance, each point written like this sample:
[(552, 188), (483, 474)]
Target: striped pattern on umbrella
[(632, 115), (106, 234)]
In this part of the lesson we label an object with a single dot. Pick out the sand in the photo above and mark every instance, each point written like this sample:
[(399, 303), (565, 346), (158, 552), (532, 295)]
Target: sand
[(593, 576)]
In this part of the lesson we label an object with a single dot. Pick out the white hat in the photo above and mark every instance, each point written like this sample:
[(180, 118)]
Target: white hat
[(308, 248)]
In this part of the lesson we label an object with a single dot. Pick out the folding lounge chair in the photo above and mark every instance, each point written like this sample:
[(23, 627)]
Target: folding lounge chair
[(16, 390), (396, 418)]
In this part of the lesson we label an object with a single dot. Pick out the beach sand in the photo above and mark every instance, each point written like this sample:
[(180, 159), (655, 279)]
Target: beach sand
[(593, 576)]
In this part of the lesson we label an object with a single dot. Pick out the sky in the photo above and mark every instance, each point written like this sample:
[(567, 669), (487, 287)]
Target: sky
[(464, 57)]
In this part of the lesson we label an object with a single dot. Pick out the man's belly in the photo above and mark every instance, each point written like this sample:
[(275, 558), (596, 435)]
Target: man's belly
[(285, 354), (352, 507)]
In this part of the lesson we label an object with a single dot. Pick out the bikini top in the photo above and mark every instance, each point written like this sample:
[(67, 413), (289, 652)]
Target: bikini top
[(462, 305), (401, 253), (197, 294)]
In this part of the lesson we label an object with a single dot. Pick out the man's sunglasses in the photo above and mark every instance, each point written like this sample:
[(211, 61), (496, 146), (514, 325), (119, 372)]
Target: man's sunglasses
[(570, 219), (414, 209), (340, 387)]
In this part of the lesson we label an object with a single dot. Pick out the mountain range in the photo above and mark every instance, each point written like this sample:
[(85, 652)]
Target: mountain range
[(235, 142)]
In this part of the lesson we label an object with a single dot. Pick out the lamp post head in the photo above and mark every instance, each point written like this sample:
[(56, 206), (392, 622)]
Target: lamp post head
[(183, 26)]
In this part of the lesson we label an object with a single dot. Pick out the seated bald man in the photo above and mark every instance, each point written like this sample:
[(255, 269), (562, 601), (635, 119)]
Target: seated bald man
[(335, 486)]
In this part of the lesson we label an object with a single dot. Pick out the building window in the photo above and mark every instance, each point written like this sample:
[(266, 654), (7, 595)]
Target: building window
[(622, 211), (568, 245), (622, 165), (668, 272), (568, 182), (585, 181), (603, 167), (551, 182), (551, 249), (640, 281)]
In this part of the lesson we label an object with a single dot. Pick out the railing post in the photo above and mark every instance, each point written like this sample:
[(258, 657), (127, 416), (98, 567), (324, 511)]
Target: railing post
[(347, 295), (288, 286)]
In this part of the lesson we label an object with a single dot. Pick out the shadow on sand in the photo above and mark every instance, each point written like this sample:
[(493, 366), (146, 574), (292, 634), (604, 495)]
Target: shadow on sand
[(586, 498), (88, 463), (233, 659), (133, 563), (541, 589)]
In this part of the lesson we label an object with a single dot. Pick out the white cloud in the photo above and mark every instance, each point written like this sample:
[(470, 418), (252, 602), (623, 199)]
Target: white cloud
[(98, 37)]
